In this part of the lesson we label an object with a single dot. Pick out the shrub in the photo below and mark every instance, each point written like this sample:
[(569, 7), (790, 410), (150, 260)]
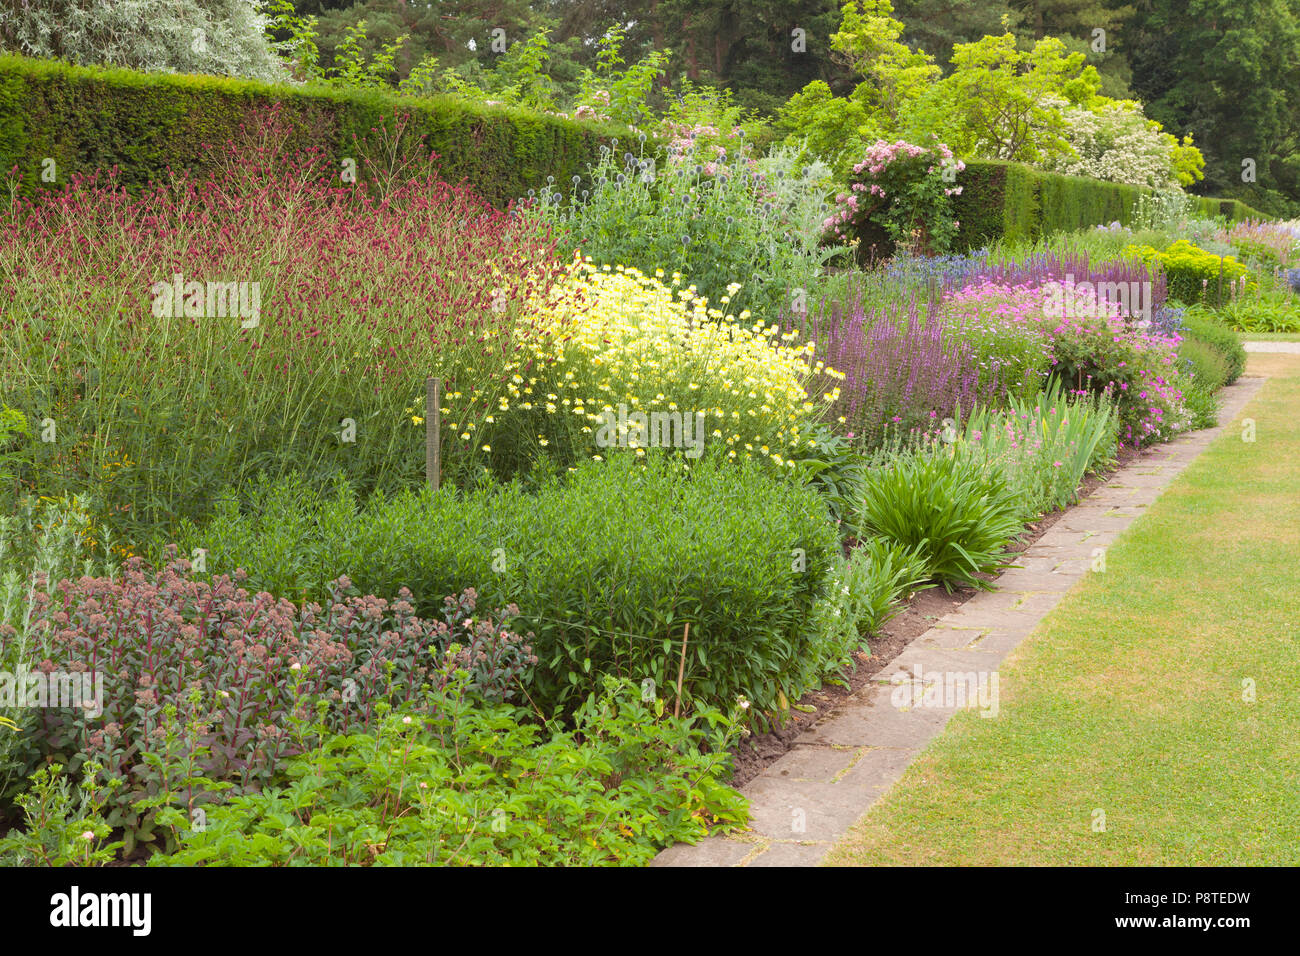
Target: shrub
[(89, 119), (1205, 326), (1009, 200), (1205, 365), (1131, 366), (711, 216), (866, 588), (955, 509), (1095, 340), (152, 35), (899, 192), (607, 566), (453, 786), (1195, 275), (830, 465), (253, 664)]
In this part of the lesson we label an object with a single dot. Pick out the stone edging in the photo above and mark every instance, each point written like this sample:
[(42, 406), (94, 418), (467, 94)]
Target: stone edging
[(841, 765)]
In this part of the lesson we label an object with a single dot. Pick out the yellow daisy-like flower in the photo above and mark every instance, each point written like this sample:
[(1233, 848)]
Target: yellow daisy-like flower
[(636, 342)]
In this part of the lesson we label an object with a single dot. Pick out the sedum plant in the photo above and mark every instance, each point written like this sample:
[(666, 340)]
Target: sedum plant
[(236, 670)]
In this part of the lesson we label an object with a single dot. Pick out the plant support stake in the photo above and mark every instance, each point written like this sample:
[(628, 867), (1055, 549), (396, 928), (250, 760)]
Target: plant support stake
[(432, 431), (681, 671)]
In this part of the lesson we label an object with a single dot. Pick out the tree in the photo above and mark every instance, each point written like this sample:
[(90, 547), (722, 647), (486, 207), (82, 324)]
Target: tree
[(936, 26), (1004, 103), (869, 43), (834, 128), (1091, 27), (1115, 142), (221, 37), (1227, 71)]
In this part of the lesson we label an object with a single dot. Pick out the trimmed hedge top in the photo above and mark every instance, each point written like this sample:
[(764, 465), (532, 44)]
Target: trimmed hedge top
[(1001, 199), (90, 119)]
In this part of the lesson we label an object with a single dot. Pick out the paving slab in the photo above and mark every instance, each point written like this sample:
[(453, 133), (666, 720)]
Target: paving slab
[(849, 758)]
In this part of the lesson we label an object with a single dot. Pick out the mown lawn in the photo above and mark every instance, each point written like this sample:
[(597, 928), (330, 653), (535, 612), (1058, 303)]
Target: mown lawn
[(1270, 336), (1129, 698)]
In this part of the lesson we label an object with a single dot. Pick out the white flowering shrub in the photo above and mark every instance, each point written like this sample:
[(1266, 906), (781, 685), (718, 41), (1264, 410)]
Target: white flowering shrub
[(220, 37), (1118, 144)]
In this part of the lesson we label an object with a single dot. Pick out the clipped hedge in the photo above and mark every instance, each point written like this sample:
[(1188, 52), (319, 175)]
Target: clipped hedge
[(1005, 200), (89, 119)]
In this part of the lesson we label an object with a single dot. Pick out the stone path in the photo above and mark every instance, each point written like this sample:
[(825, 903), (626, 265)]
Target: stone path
[(847, 760), (1271, 346)]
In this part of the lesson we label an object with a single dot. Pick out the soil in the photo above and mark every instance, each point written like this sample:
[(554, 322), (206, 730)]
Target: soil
[(916, 616)]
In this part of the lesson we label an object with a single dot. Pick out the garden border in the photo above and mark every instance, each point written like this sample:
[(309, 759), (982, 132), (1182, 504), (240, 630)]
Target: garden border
[(847, 760)]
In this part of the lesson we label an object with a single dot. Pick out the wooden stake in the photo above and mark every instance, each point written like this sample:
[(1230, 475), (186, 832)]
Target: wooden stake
[(681, 671), (433, 432)]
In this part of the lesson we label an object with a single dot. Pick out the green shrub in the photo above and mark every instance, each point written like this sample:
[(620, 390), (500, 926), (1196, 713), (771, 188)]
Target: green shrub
[(1205, 365), (53, 540), (1259, 253), (90, 119), (1196, 275), (1202, 405), (475, 787), (957, 510), (866, 589), (606, 567), (710, 217), (62, 824)]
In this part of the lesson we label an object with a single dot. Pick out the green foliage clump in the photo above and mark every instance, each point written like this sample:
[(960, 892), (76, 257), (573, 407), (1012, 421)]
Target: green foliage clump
[(1044, 445), (1205, 326), (1264, 313), (956, 509), (716, 217), (606, 566), (474, 786), (1195, 275), (62, 824), (866, 588), (1206, 365)]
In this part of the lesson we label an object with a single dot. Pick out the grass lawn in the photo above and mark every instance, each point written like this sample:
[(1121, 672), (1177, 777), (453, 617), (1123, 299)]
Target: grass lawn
[(1129, 696), (1270, 336)]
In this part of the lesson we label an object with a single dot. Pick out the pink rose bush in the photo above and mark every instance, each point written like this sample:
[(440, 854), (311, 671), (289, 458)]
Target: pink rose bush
[(900, 193)]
